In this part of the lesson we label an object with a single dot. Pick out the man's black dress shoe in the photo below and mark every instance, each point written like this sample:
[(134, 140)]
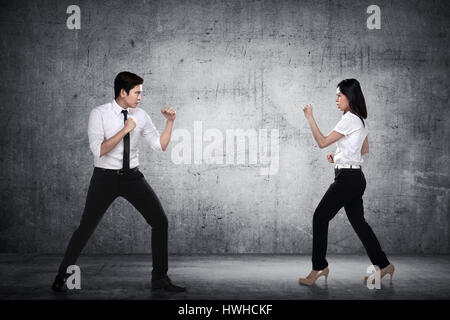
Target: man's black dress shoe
[(167, 285), (60, 285)]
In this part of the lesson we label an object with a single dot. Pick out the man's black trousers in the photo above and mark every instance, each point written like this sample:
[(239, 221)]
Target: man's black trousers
[(104, 187)]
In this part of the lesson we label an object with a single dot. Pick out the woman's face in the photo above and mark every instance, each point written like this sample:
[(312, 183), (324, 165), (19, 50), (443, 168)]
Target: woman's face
[(342, 101)]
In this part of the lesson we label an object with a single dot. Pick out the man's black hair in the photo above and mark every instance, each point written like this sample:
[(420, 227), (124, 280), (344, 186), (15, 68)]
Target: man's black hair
[(127, 81)]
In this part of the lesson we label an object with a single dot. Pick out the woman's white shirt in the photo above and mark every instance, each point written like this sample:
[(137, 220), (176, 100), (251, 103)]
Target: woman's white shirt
[(349, 146)]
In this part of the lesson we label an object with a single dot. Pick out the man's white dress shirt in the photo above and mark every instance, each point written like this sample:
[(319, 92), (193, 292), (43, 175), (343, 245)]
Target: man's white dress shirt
[(106, 120)]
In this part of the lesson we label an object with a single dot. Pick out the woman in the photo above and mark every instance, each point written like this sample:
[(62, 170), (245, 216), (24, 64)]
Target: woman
[(349, 183)]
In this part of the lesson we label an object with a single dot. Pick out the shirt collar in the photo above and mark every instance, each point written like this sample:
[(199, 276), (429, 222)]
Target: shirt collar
[(118, 109)]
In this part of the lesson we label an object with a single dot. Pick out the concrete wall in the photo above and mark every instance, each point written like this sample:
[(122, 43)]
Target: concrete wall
[(229, 64)]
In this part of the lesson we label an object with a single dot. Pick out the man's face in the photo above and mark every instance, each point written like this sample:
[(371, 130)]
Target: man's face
[(134, 97)]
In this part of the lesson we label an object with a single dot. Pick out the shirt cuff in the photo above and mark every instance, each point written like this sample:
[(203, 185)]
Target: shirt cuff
[(339, 131), (157, 145), (96, 149)]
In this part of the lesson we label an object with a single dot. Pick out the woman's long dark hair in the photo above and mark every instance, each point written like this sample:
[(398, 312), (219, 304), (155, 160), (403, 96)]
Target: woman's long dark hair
[(352, 90)]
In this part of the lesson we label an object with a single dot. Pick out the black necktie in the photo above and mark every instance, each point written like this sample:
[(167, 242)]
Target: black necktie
[(126, 145)]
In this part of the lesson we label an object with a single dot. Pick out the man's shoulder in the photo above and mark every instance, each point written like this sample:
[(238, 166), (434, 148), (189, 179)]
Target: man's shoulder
[(140, 113), (102, 108)]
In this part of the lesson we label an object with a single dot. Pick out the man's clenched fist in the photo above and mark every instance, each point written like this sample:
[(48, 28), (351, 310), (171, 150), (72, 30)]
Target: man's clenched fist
[(129, 125), (169, 113)]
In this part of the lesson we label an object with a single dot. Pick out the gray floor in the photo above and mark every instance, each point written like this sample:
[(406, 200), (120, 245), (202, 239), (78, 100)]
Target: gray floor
[(225, 277)]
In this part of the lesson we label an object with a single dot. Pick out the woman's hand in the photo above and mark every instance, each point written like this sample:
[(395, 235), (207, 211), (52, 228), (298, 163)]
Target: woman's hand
[(330, 157), (307, 110)]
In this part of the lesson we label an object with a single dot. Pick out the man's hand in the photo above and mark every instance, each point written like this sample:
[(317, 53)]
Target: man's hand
[(169, 113), (330, 157), (307, 110), (129, 125), (109, 144)]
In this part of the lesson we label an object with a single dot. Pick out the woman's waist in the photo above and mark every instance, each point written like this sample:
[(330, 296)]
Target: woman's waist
[(351, 170), (347, 159), (353, 165)]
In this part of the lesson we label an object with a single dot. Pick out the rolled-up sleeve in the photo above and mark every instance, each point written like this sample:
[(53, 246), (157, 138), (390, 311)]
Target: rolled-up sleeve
[(150, 134), (95, 132)]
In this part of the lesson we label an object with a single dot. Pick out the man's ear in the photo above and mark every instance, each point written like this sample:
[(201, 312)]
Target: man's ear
[(123, 93)]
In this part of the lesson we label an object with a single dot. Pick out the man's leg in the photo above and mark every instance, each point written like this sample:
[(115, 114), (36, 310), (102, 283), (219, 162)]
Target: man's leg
[(101, 193), (138, 192)]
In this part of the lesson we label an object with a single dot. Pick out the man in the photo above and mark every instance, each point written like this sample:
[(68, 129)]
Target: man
[(114, 130)]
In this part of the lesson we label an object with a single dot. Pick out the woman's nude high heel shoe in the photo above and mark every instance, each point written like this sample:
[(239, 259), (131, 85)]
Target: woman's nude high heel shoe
[(309, 280), (387, 270)]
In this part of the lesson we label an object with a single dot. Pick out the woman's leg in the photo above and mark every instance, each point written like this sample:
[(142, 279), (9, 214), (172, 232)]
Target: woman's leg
[(355, 214), (333, 200)]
